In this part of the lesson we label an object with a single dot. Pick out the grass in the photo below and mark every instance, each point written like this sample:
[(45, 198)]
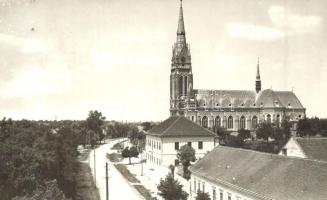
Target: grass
[(114, 157), (85, 188), (126, 173), (143, 191)]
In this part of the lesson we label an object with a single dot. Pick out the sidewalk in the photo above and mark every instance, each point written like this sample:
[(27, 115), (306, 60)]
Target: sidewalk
[(118, 186)]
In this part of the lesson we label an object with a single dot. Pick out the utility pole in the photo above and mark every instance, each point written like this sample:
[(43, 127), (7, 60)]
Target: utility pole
[(107, 182), (94, 166)]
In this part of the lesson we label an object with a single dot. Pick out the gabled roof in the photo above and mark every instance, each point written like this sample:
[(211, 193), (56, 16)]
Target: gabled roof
[(264, 176), (179, 126), (314, 148)]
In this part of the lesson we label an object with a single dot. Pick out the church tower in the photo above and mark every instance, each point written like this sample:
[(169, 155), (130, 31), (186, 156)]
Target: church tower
[(258, 80), (181, 78)]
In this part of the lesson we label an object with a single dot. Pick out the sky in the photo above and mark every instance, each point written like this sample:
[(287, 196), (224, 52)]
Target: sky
[(60, 59)]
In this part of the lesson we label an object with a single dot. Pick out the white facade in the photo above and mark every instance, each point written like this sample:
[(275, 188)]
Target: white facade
[(292, 148), (163, 150), (216, 191)]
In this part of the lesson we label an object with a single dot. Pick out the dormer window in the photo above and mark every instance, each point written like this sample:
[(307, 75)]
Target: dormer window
[(276, 103), (261, 104), (230, 105), (204, 104), (289, 105), (217, 104), (254, 104), (242, 104)]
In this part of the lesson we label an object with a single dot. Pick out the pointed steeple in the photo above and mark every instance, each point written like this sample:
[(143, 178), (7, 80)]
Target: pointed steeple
[(258, 80), (258, 71), (181, 28)]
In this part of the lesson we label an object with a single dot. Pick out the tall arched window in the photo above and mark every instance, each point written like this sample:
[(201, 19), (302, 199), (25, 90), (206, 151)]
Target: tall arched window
[(217, 121), (254, 122), (205, 122), (268, 118), (230, 122), (242, 122), (185, 85), (180, 85), (278, 120)]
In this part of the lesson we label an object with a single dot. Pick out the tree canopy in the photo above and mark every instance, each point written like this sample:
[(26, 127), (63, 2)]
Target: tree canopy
[(171, 189), (186, 155)]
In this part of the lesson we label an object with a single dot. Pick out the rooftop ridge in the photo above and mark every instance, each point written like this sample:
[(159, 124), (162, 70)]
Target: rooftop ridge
[(171, 125), (270, 154)]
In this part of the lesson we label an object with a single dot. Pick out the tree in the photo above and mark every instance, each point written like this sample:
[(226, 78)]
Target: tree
[(129, 153), (186, 155), (146, 126), (264, 131), (171, 189), (201, 195), (95, 122), (241, 136)]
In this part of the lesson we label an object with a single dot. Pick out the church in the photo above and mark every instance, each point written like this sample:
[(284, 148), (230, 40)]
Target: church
[(228, 109)]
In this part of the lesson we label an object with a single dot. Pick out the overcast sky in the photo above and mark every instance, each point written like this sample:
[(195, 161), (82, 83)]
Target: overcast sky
[(65, 57)]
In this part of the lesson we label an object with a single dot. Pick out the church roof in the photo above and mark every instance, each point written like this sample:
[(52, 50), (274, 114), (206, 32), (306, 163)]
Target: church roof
[(262, 175), (225, 97), (314, 148), (266, 98), (179, 126)]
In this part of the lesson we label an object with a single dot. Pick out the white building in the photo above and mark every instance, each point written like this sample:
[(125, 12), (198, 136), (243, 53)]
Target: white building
[(314, 148), (164, 140), (237, 174)]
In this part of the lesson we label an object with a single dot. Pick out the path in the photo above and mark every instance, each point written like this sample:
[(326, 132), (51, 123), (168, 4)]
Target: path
[(119, 188)]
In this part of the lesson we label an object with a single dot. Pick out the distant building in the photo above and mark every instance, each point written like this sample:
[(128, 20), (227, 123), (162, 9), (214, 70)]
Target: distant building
[(230, 109), (237, 174), (310, 148), (164, 140)]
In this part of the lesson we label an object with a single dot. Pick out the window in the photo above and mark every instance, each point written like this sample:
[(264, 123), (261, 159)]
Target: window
[(284, 152), (217, 104), (214, 195), (185, 85), (176, 162), (180, 84), (203, 186), (229, 196), (278, 120), (199, 185), (205, 122), (230, 122), (194, 185), (176, 145), (200, 145), (192, 118), (189, 144), (268, 118), (242, 122), (254, 122), (221, 194), (217, 121)]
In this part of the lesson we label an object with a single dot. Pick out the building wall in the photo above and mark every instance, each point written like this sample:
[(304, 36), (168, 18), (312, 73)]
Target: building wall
[(248, 113), (161, 151), (293, 149), (209, 187)]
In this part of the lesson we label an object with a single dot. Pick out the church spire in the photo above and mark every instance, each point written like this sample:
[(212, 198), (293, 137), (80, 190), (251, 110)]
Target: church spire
[(258, 80), (258, 71), (181, 28)]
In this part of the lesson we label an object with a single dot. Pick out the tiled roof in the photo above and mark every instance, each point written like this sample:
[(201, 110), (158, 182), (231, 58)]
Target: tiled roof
[(314, 148), (264, 176), (247, 98), (179, 126), (287, 97), (225, 97)]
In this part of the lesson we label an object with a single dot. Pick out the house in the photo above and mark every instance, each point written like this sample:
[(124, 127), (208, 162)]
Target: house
[(164, 140), (237, 174), (314, 148)]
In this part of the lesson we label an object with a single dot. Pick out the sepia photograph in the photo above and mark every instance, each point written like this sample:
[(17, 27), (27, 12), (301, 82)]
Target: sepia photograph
[(163, 100)]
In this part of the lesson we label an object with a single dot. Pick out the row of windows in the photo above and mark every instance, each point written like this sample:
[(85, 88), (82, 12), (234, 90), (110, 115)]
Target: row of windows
[(242, 121), (200, 145), (200, 185), (153, 159), (242, 105), (154, 144)]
